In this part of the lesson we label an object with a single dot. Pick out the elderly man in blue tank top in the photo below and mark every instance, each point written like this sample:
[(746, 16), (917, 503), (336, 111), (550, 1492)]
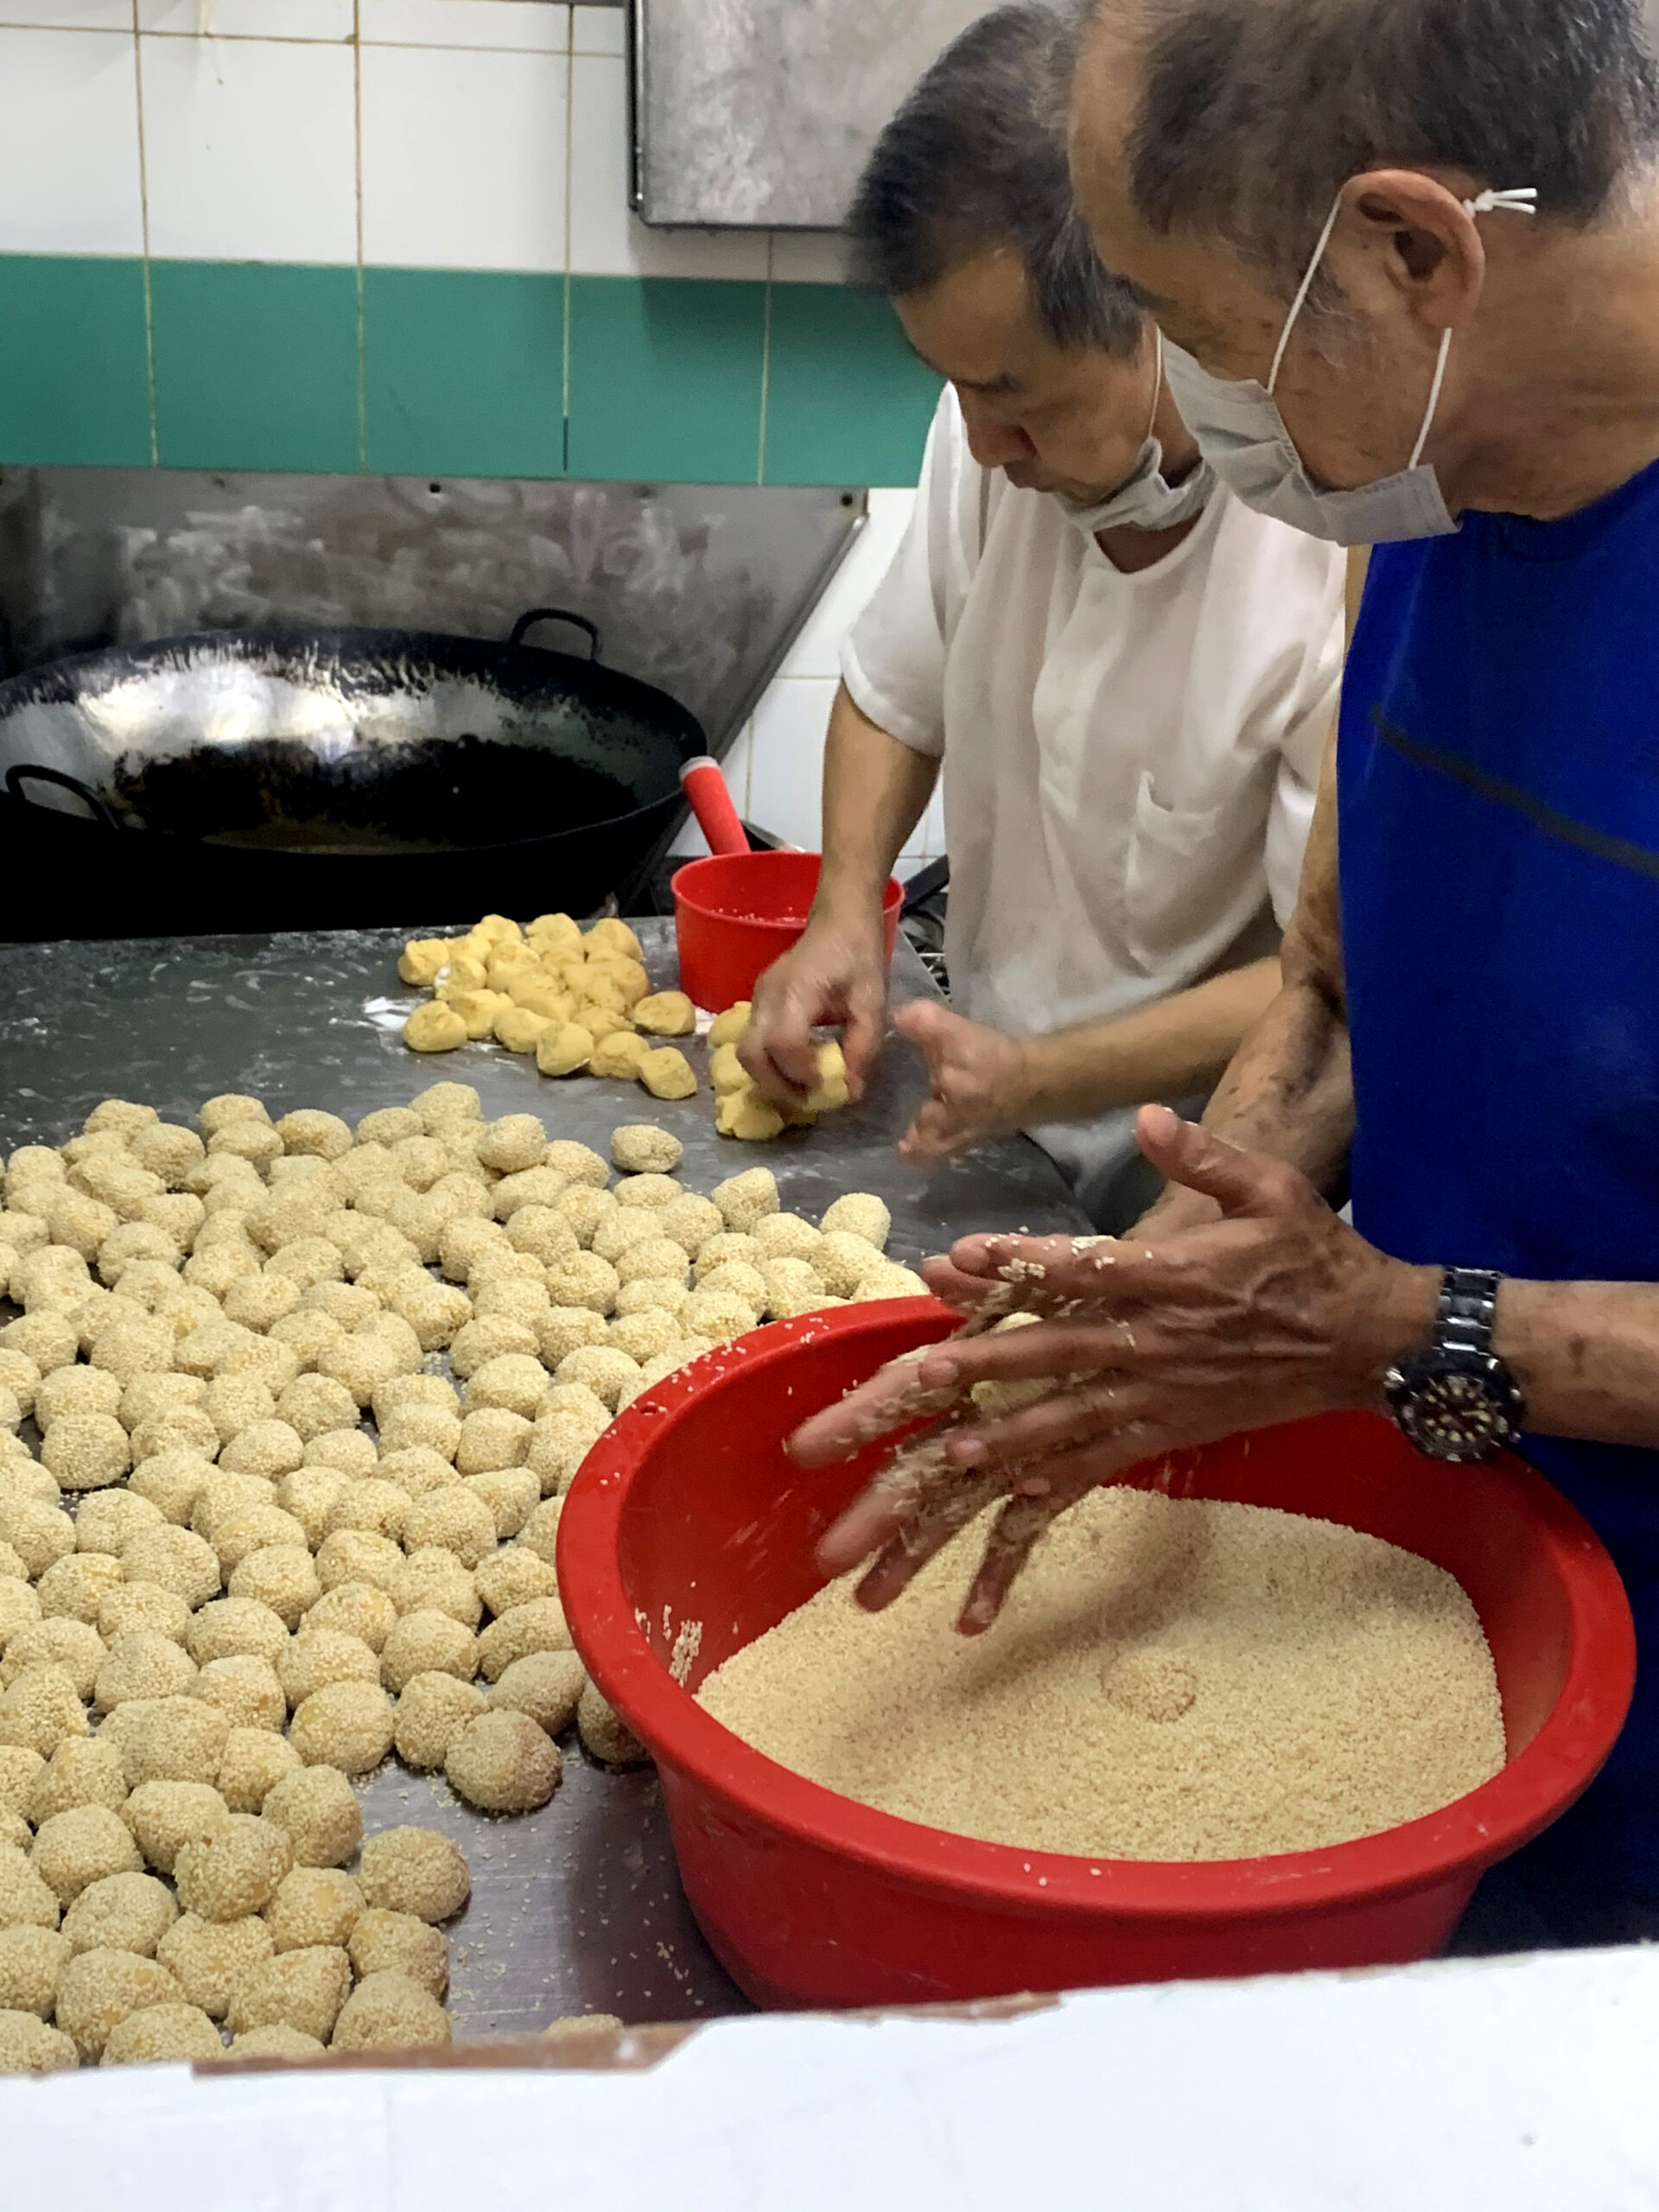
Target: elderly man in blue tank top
[(1406, 261)]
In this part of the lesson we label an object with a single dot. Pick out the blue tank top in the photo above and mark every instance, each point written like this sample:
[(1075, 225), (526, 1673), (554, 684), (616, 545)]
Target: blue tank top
[(1498, 777)]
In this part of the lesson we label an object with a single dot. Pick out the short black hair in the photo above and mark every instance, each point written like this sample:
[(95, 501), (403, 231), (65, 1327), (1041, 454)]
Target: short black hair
[(975, 158), (1254, 113)]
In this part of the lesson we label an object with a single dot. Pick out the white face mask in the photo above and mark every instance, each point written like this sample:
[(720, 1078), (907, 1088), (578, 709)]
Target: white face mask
[(1144, 500), (1243, 434)]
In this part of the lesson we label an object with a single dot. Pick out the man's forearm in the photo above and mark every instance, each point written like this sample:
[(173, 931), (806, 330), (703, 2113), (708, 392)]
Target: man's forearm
[(1289, 1092), (1163, 1050), (875, 791)]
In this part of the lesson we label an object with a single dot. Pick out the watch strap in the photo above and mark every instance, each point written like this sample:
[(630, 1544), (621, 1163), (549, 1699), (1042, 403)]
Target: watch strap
[(1466, 1310)]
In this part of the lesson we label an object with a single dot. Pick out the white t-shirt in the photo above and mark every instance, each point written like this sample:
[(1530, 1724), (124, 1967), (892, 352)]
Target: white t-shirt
[(1132, 759)]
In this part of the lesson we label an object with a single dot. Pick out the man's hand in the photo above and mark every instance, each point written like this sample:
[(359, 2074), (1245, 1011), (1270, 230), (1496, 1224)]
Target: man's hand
[(836, 976), (977, 1077), (1275, 1310)]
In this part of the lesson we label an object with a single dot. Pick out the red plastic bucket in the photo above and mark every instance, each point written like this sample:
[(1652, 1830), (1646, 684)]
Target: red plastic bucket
[(733, 914), (687, 1509)]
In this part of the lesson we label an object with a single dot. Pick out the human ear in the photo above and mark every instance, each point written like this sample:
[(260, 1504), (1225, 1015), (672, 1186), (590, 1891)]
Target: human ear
[(1404, 238)]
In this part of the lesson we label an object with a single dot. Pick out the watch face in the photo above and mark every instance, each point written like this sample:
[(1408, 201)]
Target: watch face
[(1452, 1407)]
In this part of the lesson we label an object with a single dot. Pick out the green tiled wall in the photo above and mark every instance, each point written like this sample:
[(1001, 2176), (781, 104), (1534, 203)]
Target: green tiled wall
[(271, 366)]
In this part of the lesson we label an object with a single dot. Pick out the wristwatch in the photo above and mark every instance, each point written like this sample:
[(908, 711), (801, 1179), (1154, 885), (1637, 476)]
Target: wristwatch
[(1455, 1399)]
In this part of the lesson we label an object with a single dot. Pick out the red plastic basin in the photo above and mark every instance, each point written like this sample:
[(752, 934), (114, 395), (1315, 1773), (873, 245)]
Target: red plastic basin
[(688, 1509), (735, 913)]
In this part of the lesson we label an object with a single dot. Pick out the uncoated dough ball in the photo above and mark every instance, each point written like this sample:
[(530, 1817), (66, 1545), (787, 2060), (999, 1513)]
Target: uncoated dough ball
[(162, 2034), (664, 1013), (414, 1870), (87, 1451), (26, 1901), (29, 2046), (452, 1520), (84, 1771), (605, 1734), (120, 1912), (397, 1943), (344, 1725), (208, 1958), (254, 1761), (32, 1961), (234, 1869), (546, 1685), (168, 1740), (314, 1905), (296, 1989), (164, 1815), (432, 1711), (502, 1763), (390, 2011), (428, 1642), (319, 1809), (99, 1989)]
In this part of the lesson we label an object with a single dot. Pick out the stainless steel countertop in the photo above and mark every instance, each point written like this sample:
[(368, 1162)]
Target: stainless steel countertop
[(577, 1908)]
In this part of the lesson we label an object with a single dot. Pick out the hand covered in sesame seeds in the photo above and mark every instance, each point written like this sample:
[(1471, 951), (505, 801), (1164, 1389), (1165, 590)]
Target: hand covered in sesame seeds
[(1274, 1310)]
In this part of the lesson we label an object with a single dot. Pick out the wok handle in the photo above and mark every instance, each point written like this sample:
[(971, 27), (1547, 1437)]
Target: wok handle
[(17, 777), (516, 636)]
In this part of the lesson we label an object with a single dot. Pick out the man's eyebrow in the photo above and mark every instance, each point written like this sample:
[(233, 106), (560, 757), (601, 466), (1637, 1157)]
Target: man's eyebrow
[(995, 388)]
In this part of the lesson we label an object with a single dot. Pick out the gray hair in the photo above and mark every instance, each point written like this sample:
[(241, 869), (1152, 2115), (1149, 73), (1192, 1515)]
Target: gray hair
[(1254, 113), (977, 157)]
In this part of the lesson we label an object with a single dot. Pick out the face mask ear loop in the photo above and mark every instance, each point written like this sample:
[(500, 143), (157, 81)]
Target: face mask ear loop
[(1434, 399), (1302, 291), (1517, 201), (1157, 379)]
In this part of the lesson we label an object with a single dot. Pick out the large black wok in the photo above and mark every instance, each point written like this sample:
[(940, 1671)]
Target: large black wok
[(281, 778)]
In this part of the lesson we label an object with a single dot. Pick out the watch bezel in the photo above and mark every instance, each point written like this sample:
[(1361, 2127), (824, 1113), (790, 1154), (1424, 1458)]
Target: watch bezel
[(1407, 1386)]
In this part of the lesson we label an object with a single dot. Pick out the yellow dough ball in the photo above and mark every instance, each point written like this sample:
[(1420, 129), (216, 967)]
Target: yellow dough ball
[(665, 1014), (746, 1115), (728, 1027), (727, 1073), (435, 1027), (564, 1048), (621, 1055), (520, 1029), (423, 960), (666, 1073)]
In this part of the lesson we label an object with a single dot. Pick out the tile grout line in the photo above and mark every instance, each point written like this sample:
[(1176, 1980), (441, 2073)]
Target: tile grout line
[(569, 190), (766, 370), (143, 224), (362, 319)]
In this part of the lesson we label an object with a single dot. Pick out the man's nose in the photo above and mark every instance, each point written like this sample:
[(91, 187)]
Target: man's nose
[(993, 443)]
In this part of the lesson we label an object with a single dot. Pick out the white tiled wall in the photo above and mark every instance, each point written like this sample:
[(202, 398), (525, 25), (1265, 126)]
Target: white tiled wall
[(464, 134), (775, 768), (472, 134)]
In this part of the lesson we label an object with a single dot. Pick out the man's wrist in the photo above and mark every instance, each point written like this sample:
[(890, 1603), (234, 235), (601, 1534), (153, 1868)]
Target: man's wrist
[(1393, 1317)]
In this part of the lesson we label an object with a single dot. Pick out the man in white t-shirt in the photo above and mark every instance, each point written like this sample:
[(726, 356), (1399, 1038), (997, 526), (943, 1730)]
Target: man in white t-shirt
[(1132, 688)]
